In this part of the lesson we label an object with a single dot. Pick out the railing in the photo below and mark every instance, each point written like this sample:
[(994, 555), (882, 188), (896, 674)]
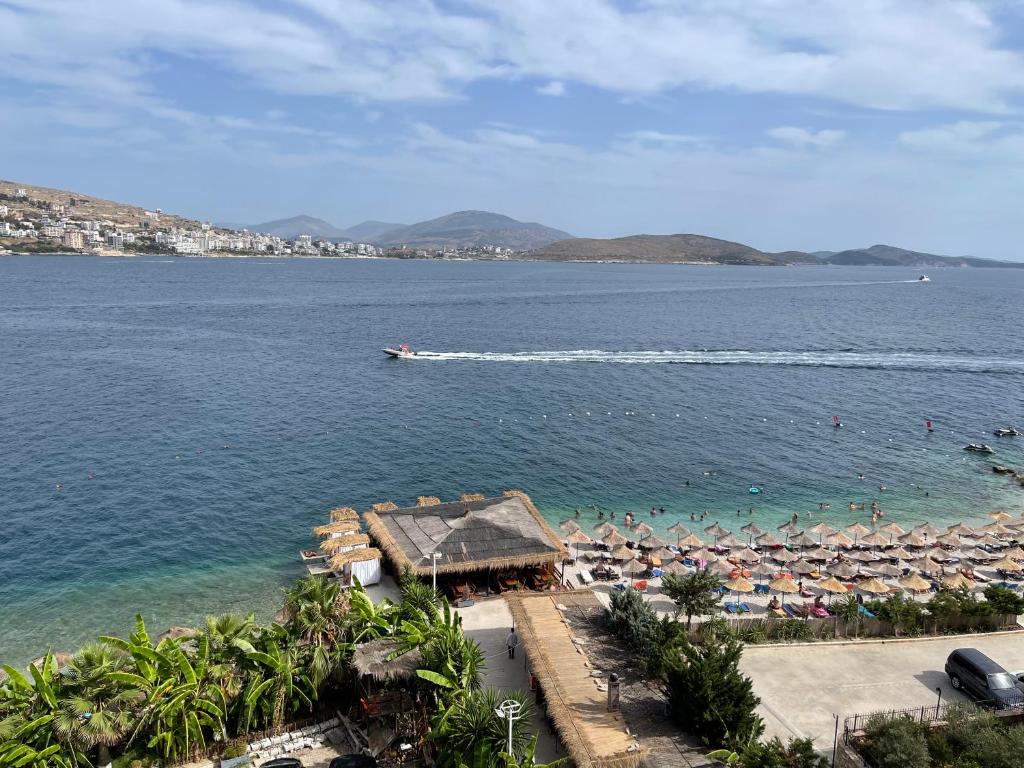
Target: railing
[(934, 713), (216, 748)]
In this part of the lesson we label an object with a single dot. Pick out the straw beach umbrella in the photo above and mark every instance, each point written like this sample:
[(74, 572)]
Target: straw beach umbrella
[(746, 555), (702, 554), (960, 529), (730, 541), (912, 540), (341, 543), (915, 583), (996, 529), (926, 565), (716, 530), (614, 539), (885, 569), (999, 516), (926, 529), (873, 587), (844, 570), (783, 556), (603, 529), (721, 567), (622, 552), (643, 529), (833, 587), (957, 581), (784, 587), (839, 540), (821, 530), (1007, 564), (767, 540), (663, 555), (899, 553), (980, 555), (738, 584), (751, 530), (679, 530), (803, 567), (632, 568), (802, 540), (763, 569), (652, 542), (690, 542), (857, 530), (789, 529), (892, 529), (818, 554), (341, 514), (338, 526), (988, 540), (875, 539), (569, 526), (578, 537), (1015, 552), (675, 568)]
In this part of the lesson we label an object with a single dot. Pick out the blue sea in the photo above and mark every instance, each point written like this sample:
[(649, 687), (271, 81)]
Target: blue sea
[(171, 429)]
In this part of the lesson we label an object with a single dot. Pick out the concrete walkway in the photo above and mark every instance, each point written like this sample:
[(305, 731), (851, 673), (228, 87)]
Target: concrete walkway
[(488, 622)]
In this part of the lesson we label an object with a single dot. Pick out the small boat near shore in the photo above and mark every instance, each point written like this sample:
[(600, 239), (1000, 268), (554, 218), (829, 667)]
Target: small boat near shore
[(978, 448), (401, 351), (1006, 432), (924, 279)]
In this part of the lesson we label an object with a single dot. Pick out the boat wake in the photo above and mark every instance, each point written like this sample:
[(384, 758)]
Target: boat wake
[(910, 361)]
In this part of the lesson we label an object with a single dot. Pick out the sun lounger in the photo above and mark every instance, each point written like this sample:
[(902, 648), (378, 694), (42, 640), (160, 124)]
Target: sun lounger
[(743, 608), (791, 611), (777, 612), (865, 612), (761, 589), (818, 611), (586, 578), (729, 607), (640, 586)]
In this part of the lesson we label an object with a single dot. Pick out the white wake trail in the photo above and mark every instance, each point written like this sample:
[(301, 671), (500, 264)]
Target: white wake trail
[(824, 359)]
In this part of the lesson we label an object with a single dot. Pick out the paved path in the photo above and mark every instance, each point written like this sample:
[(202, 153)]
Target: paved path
[(802, 685), (488, 622)]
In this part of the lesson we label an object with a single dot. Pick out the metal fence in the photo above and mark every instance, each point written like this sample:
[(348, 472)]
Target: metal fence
[(934, 713)]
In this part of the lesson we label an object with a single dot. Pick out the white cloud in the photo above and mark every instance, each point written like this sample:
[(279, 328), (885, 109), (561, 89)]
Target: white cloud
[(554, 88), (660, 137), (801, 137), (892, 54), (963, 136)]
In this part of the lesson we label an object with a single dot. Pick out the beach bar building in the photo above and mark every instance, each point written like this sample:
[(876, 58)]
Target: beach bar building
[(501, 541)]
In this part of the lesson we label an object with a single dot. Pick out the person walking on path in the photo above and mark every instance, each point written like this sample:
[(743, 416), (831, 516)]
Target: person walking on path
[(512, 641)]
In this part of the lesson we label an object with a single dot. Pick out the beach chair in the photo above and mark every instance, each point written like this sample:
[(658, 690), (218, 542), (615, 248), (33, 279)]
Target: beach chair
[(865, 612), (729, 607), (620, 587), (743, 608), (586, 578), (761, 589), (640, 586), (777, 612), (790, 611)]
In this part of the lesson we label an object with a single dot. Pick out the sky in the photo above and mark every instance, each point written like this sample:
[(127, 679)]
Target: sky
[(783, 124)]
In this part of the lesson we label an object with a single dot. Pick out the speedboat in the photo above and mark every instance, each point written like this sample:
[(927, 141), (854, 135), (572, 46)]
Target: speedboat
[(924, 279), (1006, 432), (402, 351), (978, 448)]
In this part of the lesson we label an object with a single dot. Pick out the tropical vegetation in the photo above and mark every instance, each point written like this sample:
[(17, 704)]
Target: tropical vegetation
[(205, 690)]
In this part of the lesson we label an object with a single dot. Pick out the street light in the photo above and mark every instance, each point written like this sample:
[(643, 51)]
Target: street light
[(509, 710), (434, 557)]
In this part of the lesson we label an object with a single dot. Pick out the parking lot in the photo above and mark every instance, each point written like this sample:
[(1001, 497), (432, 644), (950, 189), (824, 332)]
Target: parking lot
[(802, 685)]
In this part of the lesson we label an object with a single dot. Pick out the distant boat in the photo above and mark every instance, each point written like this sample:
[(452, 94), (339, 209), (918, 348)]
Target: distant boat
[(978, 448), (924, 279), (402, 351), (1006, 432)]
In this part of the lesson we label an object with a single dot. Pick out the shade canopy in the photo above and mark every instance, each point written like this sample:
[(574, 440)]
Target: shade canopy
[(702, 554), (342, 543), (875, 539), (569, 526), (1000, 516), (803, 567), (787, 586), (634, 567), (857, 529), (927, 529), (768, 540), (579, 537), (899, 553), (926, 565), (652, 542), (838, 540), (1015, 552), (832, 585), (643, 529), (783, 556), (764, 569), (913, 539), (844, 570), (893, 529), (1007, 564), (603, 529), (338, 526), (738, 584), (691, 541), (957, 581), (679, 529), (802, 540), (675, 568), (752, 529), (730, 541), (623, 552), (716, 530), (960, 529), (873, 586), (996, 529), (614, 539), (818, 554), (747, 555), (885, 569), (822, 529), (948, 540), (915, 583), (789, 528), (664, 554)]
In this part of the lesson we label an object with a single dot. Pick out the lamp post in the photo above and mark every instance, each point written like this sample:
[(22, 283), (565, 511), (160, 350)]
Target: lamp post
[(434, 557), (509, 710)]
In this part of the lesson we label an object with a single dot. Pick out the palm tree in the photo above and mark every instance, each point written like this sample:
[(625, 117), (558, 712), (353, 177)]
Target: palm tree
[(230, 638), (277, 680), (95, 710), (318, 613)]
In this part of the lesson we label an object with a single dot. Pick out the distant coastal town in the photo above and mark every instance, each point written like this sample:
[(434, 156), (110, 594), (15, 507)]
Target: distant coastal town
[(32, 222)]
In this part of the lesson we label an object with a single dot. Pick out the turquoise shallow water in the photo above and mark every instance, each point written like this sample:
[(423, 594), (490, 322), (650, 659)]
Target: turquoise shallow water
[(201, 416)]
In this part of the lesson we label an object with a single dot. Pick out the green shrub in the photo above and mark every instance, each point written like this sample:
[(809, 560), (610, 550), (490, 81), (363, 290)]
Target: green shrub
[(708, 695), (895, 743), (1004, 601)]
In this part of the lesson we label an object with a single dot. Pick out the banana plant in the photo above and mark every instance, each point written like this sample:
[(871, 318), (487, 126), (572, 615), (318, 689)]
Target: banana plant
[(277, 680)]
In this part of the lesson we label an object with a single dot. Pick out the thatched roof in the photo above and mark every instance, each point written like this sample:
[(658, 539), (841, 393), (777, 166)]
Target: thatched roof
[(489, 534), (427, 501), (372, 659), (340, 514), (342, 559), (339, 526), (472, 497), (593, 736), (384, 506), (341, 542)]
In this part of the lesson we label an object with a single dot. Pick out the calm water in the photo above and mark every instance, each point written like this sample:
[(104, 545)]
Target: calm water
[(200, 416)]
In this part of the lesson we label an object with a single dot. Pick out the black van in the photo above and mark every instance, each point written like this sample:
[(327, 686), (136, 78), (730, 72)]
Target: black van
[(974, 673)]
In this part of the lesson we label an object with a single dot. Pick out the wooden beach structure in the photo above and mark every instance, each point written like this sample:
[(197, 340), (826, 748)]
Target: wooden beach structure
[(502, 541), (345, 552), (593, 736)]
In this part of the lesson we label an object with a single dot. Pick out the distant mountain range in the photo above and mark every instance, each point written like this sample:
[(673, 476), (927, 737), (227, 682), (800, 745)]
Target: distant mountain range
[(699, 249), (472, 228)]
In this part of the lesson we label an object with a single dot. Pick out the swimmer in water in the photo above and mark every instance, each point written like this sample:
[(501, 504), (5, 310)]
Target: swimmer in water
[(577, 511), (860, 476), (693, 516)]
